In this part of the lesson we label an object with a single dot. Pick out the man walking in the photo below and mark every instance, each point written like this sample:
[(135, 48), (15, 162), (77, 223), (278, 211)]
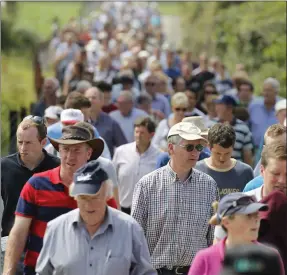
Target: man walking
[(98, 239), (45, 196), (174, 203), (134, 160)]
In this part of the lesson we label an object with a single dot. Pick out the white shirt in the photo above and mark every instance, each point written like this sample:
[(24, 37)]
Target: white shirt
[(131, 167)]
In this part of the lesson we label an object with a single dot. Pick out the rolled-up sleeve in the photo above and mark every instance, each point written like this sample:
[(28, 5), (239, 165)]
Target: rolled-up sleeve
[(44, 265), (141, 256)]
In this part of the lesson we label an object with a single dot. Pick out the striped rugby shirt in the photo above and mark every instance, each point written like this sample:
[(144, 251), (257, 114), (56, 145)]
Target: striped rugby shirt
[(43, 199), (174, 215)]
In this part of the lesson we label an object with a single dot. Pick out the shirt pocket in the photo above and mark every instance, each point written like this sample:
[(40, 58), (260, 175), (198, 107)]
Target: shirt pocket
[(116, 265)]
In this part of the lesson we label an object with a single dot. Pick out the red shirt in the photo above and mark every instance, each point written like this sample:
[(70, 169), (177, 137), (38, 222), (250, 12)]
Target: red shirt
[(109, 108)]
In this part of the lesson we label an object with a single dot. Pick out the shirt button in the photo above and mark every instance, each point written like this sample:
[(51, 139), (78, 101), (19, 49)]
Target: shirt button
[(92, 248), (91, 265)]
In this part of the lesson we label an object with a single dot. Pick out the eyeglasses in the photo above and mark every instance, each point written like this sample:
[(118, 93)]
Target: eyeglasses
[(151, 84), (209, 92), (191, 147), (36, 119), (180, 109)]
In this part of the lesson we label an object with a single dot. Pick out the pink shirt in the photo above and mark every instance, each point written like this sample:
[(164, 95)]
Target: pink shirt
[(209, 261)]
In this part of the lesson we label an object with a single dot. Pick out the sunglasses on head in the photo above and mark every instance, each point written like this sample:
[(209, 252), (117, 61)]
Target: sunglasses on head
[(191, 147), (180, 109), (36, 119)]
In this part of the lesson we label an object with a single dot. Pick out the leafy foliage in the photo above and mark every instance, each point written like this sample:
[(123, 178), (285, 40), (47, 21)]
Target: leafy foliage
[(252, 33)]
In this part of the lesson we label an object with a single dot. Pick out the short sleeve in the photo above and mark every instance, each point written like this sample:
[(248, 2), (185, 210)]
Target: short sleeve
[(26, 206)]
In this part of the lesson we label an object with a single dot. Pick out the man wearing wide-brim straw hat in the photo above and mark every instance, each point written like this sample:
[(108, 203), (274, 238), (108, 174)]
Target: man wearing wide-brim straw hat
[(198, 121), (46, 196)]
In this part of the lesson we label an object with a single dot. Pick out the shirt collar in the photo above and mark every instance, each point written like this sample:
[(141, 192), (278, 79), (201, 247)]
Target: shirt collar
[(21, 163), (55, 175), (108, 221), (173, 174)]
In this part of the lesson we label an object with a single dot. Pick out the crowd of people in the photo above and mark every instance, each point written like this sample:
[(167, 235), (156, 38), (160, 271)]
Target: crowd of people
[(141, 159)]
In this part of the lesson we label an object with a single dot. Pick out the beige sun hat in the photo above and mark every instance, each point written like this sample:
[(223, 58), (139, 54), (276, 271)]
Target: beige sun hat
[(187, 131), (199, 122)]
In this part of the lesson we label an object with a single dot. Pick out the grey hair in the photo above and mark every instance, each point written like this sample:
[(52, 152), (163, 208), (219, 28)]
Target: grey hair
[(273, 82), (54, 80), (176, 139), (127, 95), (83, 85)]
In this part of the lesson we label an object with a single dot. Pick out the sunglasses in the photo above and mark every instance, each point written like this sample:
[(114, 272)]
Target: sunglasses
[(180, 109), (208, 92), (36, 119), (244, 201), (151, 84), (191, 147)]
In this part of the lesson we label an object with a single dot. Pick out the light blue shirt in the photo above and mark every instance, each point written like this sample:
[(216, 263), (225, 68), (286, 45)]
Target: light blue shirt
[(55, 131), (256, 171), (260, 120), (127, 122), (118, 247), (253, 184), (160, 102)]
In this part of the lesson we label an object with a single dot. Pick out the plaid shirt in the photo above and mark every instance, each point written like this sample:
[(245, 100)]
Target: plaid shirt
[(174, 215)]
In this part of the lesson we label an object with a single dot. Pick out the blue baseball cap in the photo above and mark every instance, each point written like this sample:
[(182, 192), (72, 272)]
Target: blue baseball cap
[(238, 203), (227, 100), (88, 179)]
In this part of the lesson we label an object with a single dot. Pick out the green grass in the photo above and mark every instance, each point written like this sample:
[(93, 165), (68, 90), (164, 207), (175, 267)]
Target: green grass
[(37, 16), (17, 76), (169, 8)]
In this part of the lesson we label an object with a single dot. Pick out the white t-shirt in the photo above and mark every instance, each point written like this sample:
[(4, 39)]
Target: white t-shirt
[(219, 233)]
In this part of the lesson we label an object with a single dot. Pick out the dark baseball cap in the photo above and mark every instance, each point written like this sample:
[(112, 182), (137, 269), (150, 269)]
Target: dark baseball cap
[(238, 203), (252, 259), (227, 100), (88, 179)]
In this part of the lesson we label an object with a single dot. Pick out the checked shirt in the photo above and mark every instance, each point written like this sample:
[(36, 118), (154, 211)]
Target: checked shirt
[(174, 215)]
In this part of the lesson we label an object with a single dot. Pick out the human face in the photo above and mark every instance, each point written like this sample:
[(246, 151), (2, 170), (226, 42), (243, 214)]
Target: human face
[(269, 94), (49, 89), (125, 105), (151, 85), (95, 98), (244, 93), (221, 156), (86, 112), (221, 110), (281, 116), (92, 207), (142, 136), (242, 227), (191, 99), (29, 146), (107, 96), (181, 156), (74, 156), (179, 112), (274, 176), (180, 85)]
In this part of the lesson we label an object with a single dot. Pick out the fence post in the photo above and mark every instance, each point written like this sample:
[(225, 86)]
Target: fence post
[(13, 119)]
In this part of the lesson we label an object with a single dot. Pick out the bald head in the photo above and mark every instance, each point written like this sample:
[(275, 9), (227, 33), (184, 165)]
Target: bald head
[(96, 98)]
